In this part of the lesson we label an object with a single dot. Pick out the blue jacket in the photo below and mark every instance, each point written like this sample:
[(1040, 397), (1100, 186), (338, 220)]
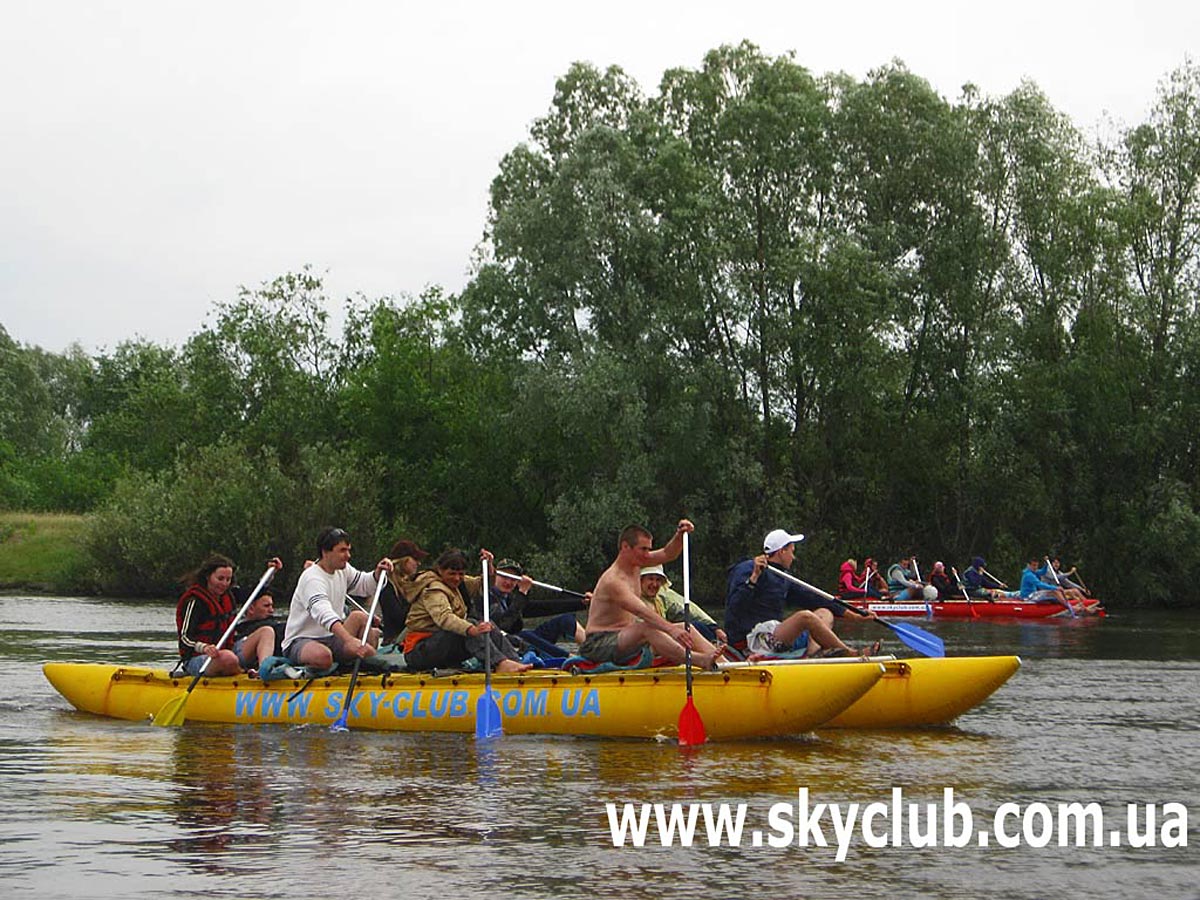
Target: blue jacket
[(748, 604), (1031, 581)]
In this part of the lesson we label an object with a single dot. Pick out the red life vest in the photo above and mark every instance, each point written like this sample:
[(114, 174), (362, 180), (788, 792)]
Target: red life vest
[(201, 617)]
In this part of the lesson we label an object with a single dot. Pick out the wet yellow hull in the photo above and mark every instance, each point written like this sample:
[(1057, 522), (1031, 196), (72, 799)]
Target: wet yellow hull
[(920, 691), (759, 701)]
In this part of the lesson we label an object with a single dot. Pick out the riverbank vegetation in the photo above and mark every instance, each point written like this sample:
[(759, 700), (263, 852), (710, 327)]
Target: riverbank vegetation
[(757, 297), (42, 552)]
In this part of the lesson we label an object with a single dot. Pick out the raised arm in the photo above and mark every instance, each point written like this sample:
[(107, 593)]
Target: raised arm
[(671, 550)]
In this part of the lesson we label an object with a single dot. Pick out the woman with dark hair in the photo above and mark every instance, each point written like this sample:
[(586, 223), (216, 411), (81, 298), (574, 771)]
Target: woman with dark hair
[(440, 635), (401, 588), (203, 614)]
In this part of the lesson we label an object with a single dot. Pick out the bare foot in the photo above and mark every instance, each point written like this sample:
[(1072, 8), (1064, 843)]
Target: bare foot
[(512, 667), (871, 650)]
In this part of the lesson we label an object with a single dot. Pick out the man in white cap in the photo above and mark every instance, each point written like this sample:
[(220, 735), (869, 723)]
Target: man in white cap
[(756, 599)]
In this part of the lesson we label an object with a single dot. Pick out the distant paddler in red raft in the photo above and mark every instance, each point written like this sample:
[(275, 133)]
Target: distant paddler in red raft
[(1044, 593)]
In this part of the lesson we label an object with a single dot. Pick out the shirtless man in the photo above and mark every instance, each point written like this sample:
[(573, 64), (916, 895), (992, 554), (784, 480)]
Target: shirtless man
[(619, 622)]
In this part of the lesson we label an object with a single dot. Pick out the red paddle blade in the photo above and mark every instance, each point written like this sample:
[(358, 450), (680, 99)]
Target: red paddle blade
[(691, 726)]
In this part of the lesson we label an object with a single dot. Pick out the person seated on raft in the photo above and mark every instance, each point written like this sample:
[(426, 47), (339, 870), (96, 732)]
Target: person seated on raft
[(657, 592), (259, 613), (620, 625), (906, 585), (944, 583), (853, 585), (510, 604), (318, 631), (401, 588), (438, 632), (1034, 589), (755, 600), (1074, 592), (203, 614), (876, 584), (982, 584)]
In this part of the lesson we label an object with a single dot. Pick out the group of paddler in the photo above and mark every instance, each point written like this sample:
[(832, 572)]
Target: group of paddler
[(1042, 581), (435, 616)]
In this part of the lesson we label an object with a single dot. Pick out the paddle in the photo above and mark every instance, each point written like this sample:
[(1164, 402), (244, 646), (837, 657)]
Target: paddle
[(993, 577), (917, 570), (487, 710), (340, 723), (916, 638), (1066, 599), (173, 711), (966, 596), (555, 587), (1079, 578), (691, 726)]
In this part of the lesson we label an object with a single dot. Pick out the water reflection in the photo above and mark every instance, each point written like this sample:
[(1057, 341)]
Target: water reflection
[(121, 809)]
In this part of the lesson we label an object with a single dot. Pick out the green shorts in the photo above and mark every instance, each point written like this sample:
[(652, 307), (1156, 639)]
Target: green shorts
[(601, 647)]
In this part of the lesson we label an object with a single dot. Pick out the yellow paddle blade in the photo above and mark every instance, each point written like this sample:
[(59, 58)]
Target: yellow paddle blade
[(172, 712)]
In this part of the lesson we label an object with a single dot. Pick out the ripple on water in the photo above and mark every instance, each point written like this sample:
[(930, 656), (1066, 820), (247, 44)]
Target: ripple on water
[(121, 809)]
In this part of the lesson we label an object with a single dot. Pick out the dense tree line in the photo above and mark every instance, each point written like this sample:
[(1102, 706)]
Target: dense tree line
[(759, 297)]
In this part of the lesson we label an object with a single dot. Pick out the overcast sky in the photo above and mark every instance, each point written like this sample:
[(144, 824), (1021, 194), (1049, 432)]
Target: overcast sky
[(155, 155)]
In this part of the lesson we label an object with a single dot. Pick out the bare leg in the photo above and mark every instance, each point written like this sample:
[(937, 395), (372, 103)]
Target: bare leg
[(819, 633), (259, 646), (224, 663), (703, 653), (512, 667), (316, 655), (355, 622)]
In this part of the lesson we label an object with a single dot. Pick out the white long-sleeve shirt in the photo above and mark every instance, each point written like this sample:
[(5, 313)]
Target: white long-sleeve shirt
[(320, 600)]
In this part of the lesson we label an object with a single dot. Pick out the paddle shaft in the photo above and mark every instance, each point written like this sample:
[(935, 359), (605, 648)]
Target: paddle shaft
[(687, 614), (842, 604), (867, 573), (555, 587), (1066, 599), (487, 617), (487, 710), (691, 726), (172, 712), (993, 577), (380, 581), (262, 583), (966, 596), (916, 638), (917, 570)]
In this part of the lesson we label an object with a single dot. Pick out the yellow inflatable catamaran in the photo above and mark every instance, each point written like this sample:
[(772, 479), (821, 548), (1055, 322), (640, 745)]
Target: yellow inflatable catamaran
[(741, 701)]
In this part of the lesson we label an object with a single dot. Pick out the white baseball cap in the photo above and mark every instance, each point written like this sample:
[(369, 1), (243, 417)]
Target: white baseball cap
[(778, 539)]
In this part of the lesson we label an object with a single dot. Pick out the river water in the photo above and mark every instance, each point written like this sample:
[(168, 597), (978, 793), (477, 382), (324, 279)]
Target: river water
[(1103, 711)]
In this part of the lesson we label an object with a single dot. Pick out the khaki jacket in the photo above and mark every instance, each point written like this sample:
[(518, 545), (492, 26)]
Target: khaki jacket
[(669, 605), (439, 607)]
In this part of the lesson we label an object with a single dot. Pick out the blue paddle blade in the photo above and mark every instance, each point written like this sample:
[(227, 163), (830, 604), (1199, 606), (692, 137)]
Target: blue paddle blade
[(340, 724), (918, 638), (487, 716)]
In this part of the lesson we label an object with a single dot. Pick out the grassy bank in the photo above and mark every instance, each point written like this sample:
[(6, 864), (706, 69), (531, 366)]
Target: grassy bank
[(41, 552)]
